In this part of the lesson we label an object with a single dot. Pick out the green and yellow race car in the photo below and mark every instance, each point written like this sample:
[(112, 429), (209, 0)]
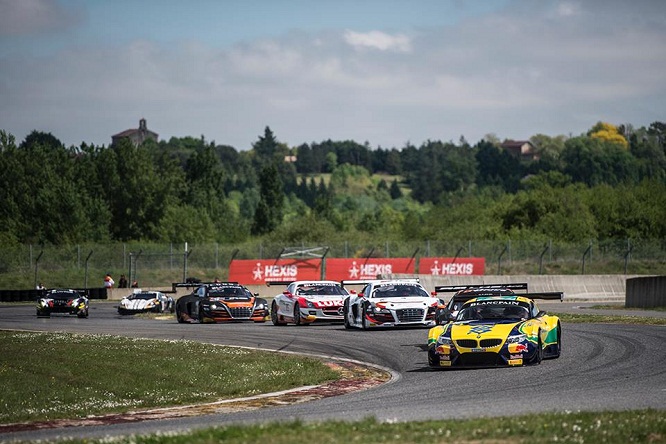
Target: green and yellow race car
[(491, 331)]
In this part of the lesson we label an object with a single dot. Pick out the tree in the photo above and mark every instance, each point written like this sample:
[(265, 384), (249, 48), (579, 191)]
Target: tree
[(395, 191), (135, 192), (271, 202), (594, 161), (609, 133), (443, 167), (497, 167)]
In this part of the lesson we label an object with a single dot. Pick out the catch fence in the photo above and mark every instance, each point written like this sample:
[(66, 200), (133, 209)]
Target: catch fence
[(527, 257)]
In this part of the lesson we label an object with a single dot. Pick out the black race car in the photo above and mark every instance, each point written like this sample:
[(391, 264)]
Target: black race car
[(221, 302), (63, 300)]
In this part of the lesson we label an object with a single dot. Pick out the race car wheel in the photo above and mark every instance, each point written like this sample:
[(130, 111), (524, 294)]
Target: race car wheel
[(43, 314), (538, 355), (274, 315), (364, 319), (558, 345), (345, 315), (200, 315), (179, 317), (82, 314), (433, 358), (297, 314)]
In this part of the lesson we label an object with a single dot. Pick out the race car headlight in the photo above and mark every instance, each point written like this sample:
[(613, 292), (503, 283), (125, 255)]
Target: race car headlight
[(444, 340), (384, 310), (261, 306), (516, 339), (212, 306)]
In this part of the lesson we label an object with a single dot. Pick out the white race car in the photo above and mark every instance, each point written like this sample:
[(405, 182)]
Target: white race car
[(304, 302), (389, 303), (146, 301)]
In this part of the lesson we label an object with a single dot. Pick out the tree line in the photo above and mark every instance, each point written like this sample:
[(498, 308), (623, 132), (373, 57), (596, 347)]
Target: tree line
[(607, 183)]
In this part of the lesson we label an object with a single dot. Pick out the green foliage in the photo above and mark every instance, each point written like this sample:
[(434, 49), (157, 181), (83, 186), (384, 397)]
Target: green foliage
[(188, 189), (594, 161), (271, 202)]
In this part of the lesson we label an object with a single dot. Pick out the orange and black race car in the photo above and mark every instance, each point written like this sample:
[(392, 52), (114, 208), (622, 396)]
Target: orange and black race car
[(221, 302)]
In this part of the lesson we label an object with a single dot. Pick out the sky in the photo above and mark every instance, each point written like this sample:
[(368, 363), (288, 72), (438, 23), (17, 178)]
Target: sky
[(384, 72)]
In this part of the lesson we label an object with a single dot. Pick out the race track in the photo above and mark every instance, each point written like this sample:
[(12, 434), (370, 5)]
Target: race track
[(602, 367)]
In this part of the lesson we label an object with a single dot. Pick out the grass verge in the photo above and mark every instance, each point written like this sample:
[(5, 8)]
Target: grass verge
[(609, 319), (644, 426), (48, 376)]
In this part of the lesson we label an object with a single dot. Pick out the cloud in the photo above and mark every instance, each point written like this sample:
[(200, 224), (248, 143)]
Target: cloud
[(517, 72), (26, 17), (378, 40)]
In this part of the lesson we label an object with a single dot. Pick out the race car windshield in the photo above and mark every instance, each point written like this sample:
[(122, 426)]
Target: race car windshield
[(321, 290), (493, 312), (62, 295), (228, 292), (144, 296), (399, 291)]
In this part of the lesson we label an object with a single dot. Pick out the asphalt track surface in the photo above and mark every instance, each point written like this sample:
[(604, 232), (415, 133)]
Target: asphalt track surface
[(602, 367)]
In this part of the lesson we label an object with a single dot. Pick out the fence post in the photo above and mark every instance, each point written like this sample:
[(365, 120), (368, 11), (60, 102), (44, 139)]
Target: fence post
[(541, 258), (85, 280), (499, 261), (627, 255), (584, 254), (36, 266)]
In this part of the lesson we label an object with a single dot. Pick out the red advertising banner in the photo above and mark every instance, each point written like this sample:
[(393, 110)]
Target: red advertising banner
[(449, 266), (258, 271), (354, 269)]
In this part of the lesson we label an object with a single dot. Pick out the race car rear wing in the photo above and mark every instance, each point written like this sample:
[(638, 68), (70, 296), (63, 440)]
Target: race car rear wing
[(548, 295), (269, 283), (198, 284), (456, 288), (369, 281)]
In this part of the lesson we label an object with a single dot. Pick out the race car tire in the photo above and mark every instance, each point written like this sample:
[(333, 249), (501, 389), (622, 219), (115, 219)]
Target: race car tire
[(82, 314), (297, 314), (345, 314), (558, 345), (433, 358), (538, 355), (364, 319), (179, 317), (274, 315), (201, 316), (42, 314)]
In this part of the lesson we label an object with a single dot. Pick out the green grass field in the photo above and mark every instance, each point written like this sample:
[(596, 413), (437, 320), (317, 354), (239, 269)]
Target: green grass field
[(50, 376), (642, 426)]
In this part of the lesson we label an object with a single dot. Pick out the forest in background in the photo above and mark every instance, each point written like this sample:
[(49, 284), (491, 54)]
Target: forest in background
[(609, 183)]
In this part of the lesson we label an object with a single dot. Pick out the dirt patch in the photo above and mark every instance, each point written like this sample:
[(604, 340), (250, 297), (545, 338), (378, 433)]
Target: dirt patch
[(354, 377)]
